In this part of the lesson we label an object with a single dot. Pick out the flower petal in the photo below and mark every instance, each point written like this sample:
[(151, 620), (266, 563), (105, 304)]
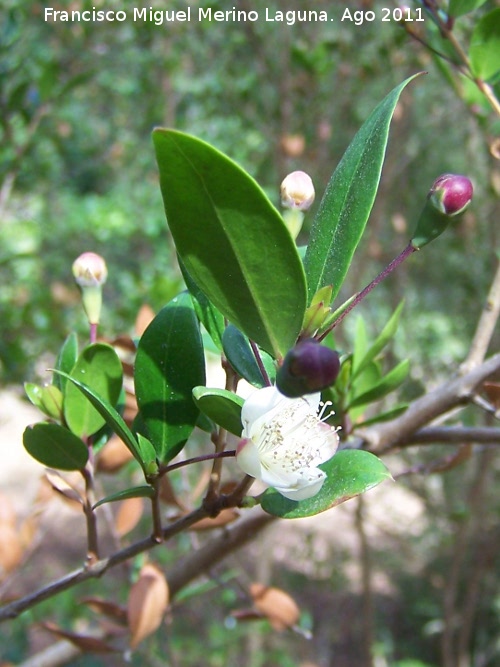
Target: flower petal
[(248, 459)]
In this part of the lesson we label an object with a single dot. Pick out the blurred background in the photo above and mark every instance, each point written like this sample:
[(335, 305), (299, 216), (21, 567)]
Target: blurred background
[(78, 102)]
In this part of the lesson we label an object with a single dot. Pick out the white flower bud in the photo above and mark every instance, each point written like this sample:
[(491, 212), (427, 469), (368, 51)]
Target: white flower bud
[(90, 270), (297, 191)]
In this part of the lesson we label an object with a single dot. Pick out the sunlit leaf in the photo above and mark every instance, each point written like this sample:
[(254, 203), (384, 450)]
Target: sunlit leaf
[(389, 382), (349, 473), (232, 240), (348, 200), (100, 369)]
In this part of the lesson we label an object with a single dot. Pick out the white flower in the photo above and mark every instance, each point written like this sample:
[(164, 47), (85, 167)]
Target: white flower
[(283, 442)]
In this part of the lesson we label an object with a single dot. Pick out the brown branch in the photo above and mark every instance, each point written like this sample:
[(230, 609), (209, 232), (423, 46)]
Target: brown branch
[(485, 326), (453, 435), (451, 394), (195, 564), (97, 569)]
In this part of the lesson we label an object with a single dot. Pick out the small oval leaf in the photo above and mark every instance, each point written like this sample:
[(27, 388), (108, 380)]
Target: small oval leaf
[(349, 473), (55, 447), (100, 369), (222, 406)]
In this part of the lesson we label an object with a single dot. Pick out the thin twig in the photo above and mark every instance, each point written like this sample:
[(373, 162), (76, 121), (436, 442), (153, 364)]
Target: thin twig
[(97, 569), (485, 326), (451, 394)]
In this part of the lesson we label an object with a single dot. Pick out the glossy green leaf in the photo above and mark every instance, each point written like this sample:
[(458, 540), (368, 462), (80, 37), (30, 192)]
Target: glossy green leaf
[(360, 361), (389, 382), (346, 205), (100, 369), (55, 447), (134, 492), (110, 416), (48, 399), (241, 357), (169, 364), (484, 51), (148, 454), (349, 473), (232, 240), (211, 318), (66, 360), (460, 7), (222, 406)]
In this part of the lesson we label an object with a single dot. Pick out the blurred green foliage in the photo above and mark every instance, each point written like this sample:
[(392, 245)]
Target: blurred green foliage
[(77, 172), (78, 102)]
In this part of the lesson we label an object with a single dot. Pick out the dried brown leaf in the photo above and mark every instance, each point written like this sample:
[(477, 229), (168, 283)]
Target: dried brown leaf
[(11, 548), (64, 488), (147, 603), (113, 456), (144, 318), (226, 516), (279, 608), (86, 643), (492, 391), (7, 511), (128, 515), (110, 609), (167, 494)]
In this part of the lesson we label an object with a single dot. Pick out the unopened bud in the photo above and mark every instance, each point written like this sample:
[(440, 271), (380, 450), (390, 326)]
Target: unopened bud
[(90, 274), (307, 368), (451, 193), (449, 196), (90, 270), (297, 191)]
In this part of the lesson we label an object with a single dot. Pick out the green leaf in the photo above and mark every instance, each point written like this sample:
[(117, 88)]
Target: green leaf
[(348, 200), (100, 369), (394, 412), (148, 454), (222, 406), (385, 336), (232, 240), (169, 364), (47, 401), (110, 416), (460, 7), (55, 447), (349, 473), (66, 360), (485, 46), (241, 357), (388, 383), (211, 318), (134, 492)]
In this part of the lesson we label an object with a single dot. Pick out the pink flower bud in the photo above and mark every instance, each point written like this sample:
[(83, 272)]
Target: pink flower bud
[(90, 270), (307, 368), (451, 193), (297, 191)]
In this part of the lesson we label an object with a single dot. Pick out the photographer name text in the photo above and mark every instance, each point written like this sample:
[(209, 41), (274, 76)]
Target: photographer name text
[(208, 15)]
